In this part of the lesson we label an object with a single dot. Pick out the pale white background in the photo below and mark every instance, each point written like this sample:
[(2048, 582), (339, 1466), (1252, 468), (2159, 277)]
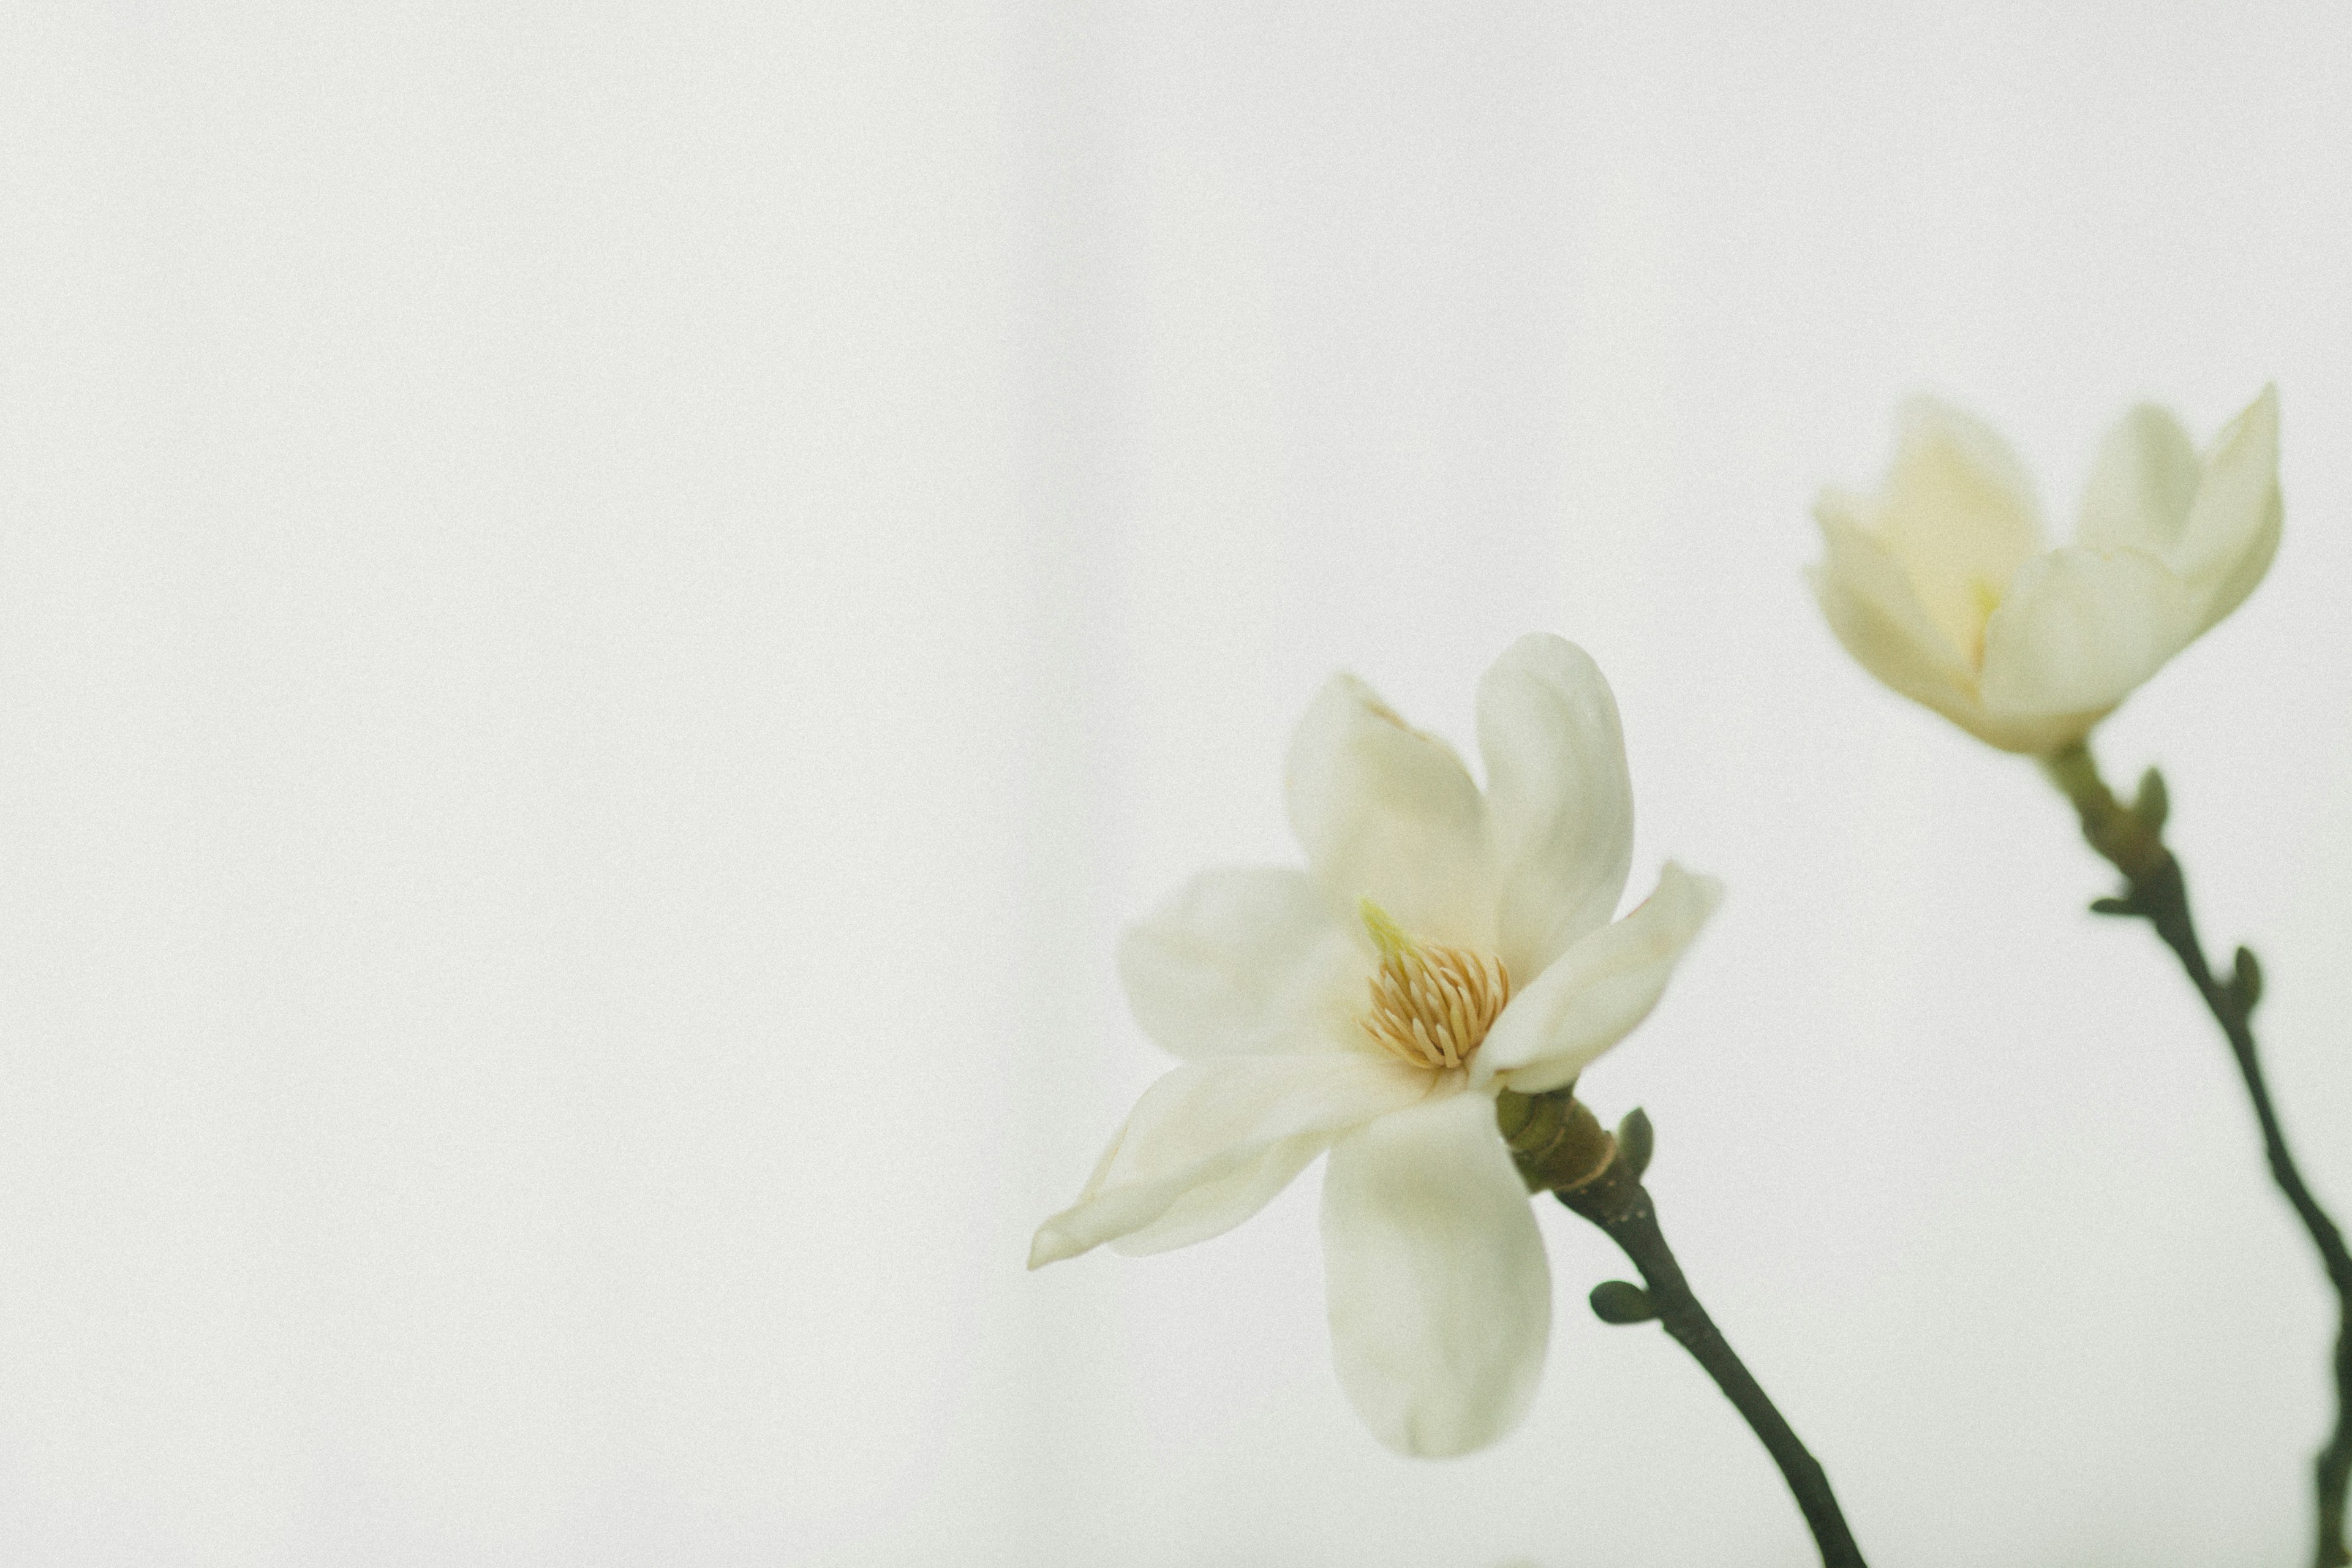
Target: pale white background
[(604, 610)]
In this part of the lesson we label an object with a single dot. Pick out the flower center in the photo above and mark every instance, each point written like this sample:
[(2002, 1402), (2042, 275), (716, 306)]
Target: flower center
[(1431, 1006)]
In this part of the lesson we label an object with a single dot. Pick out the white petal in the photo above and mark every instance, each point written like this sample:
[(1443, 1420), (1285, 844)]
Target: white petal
[(1244, 959), (1440, 1297), (2079, 630), (1599, 989), (2230, 587), (1872, 607), (2142, 486), (1559, 798), (1201, 1145), (1958, 513), (1214, 1207), (2241, 472), (1388, 814), (2233, 527)]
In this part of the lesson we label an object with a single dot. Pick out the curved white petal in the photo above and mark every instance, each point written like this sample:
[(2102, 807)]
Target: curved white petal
[(1557, 795), (1214, 1207), (1872, 607), (2241, 482), (1216, 1128), (1244, 959), (2230, 586), (2233, 528), (1598, 990), (2080, 629), (1387, 813), (2142, 486), (1440, 1297), (1958, 513)]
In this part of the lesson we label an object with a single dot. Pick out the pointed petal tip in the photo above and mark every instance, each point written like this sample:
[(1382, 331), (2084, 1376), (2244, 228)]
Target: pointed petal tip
[(2254, 432), (1602, 990), (1708, 890), (1846, 534), (2266, 403), (1837, 507), (1050, 1245)]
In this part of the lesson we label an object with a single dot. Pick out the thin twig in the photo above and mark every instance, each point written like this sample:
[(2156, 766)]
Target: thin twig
[(2156, 890), (1617, 1203)]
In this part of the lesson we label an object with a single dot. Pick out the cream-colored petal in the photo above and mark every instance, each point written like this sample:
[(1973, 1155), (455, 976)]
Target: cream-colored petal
[(1958, 513), (2229, 588), (1440, 1297), (2142, 486), (2233, 528), (1872, 609), (1220, 1127), (1214, 1207), (2079, 630), (1387, 813), (1557, 795), (2237, 497), (1244, 959), (1598, 990)]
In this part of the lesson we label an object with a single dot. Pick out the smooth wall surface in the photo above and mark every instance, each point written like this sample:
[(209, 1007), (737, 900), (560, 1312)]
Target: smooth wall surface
[(605, 611)]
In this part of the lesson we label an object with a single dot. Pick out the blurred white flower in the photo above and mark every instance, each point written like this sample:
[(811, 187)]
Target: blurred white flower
[(1940, 587), (1439, 946)]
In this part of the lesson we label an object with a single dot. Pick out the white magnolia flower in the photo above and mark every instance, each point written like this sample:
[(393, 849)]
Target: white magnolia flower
[(1940, 587), (1439, 946)]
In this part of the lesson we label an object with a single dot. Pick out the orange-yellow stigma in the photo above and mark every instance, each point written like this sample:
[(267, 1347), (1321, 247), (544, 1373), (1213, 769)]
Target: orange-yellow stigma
[(1431, 1006)]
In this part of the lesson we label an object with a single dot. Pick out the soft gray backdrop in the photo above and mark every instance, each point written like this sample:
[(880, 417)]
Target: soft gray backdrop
[(604, 611)]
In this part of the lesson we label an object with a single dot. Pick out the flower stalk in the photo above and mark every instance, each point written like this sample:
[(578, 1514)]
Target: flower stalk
[(1561, 1146), (2131, 838)]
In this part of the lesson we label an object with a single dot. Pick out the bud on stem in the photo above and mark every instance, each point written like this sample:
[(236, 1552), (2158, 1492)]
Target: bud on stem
[(2130, 838), (1560, 1145)]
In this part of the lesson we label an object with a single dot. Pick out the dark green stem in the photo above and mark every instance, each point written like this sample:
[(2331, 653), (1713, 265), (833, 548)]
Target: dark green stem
[(1617, 1203), (2131, 839)]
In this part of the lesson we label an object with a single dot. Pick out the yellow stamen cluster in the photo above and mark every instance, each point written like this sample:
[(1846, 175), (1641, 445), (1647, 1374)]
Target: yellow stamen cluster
[(1431, 1006)]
